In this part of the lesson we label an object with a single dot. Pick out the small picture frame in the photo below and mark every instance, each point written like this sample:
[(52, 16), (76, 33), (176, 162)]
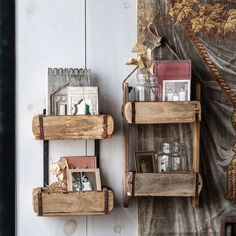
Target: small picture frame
[(176, 90), (145, 162), (83, 180)]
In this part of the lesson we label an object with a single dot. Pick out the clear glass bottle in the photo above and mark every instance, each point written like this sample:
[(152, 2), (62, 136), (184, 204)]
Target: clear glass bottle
[(153, 88), (142, 86), (164, 157), (176, 157), (163, 163)]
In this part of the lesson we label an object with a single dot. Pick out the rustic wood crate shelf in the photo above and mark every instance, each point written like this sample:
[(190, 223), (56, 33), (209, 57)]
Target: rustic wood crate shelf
[(72, 127), (185, 184), (176, 184), (47, 203), (162, 112)]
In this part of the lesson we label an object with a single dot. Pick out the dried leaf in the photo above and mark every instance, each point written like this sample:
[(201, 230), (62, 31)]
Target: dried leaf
[(60, 176), (139, 48), (62, 163), (55, 168), (140, 61), (132, 61)]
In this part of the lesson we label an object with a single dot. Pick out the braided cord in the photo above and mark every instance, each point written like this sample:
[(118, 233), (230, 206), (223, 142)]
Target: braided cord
[(211, 66)]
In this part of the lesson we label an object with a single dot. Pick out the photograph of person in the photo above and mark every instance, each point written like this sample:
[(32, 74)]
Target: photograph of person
[(144, 162), (83, 179), (176, 90)]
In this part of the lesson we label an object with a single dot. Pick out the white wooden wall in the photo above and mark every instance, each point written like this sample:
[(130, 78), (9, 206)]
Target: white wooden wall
[(50, 33)]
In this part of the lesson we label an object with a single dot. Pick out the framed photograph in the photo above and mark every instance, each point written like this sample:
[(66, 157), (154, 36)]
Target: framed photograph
[(145, 162), (83, 179), (176, 90)]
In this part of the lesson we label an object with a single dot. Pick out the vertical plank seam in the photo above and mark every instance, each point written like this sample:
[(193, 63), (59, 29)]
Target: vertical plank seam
[(196, 187), (41, 128), (133, 183), (40, 202), (133, 112), (106, 200), (105, 135)]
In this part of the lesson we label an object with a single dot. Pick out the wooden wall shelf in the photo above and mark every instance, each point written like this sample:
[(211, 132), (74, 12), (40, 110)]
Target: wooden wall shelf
[(72, 127), (96, 127), (162, 112), (185, 184), (47, 203)]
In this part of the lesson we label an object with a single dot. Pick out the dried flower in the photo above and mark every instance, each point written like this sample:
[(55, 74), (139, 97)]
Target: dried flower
[(144, 59), (58, 169)]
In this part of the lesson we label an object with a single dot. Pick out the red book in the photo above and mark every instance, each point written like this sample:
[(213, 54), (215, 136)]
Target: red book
[(174, 78)]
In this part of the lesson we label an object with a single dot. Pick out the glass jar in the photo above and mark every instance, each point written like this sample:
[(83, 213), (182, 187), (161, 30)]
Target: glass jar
[(146, 86), (142, 86)]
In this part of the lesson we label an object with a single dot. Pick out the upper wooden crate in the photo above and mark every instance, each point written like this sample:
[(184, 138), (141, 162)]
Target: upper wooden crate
[(176, 184), (72, 127), (47, 203), (162, 112)]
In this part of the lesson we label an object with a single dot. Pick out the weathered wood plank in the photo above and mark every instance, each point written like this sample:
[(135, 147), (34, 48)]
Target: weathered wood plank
[(72, 127), (166, 184), (162, 112), (73, 203), (196, 155), (126, 145)]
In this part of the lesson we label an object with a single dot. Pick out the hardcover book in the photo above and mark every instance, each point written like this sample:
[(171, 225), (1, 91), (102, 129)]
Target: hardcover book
[(174, 79)]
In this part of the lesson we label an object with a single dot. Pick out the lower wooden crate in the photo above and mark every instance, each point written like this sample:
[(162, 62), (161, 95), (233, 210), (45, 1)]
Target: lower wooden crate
[(46, 203), (185, 184)]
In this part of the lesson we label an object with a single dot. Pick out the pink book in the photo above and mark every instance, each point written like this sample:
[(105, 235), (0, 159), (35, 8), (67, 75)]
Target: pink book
[(81, 162)]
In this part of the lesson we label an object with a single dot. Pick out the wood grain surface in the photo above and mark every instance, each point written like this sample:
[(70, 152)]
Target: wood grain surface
[(166, 184), (162, 112), (73, 203), (72, 127)]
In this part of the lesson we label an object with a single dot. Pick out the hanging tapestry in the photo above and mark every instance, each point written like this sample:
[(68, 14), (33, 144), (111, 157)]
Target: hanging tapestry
[(205, 33)]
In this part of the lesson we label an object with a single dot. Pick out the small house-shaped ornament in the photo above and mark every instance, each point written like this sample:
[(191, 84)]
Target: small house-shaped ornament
[(82, 100), (69, 93), (58, 101)]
